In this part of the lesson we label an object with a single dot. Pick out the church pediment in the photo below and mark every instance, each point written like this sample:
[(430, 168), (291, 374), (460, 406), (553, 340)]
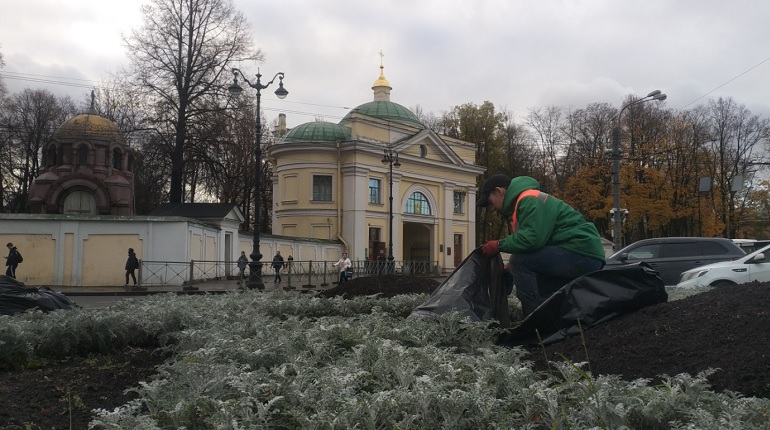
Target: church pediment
[(432, 148)]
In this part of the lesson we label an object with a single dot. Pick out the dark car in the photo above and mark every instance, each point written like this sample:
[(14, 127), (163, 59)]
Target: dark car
[(670, 256)]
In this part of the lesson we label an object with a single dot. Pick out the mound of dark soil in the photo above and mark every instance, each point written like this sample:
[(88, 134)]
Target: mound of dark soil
[(726, 328), (384, 286)]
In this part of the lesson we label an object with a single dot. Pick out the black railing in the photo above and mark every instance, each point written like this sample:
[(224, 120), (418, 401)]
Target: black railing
[(296, 273)]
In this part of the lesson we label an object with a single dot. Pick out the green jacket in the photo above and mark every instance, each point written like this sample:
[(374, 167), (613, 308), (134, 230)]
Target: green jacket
[(546, 223)]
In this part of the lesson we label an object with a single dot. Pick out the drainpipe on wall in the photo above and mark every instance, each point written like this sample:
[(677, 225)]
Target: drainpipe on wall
[(339, 199)]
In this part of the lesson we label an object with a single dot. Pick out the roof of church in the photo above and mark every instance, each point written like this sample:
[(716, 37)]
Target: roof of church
[(89, 126), (387, 110), (318, 131)]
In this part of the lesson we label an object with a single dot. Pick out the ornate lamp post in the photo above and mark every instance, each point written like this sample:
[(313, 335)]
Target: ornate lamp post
[(255, 266), (391, 159), (617, 212)]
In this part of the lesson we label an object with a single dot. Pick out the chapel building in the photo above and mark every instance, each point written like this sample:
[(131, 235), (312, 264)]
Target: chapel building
[(87, 169), (378, 167)]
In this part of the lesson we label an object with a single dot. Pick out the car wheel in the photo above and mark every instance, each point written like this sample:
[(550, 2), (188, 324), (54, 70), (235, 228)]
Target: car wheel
[(718, 284)]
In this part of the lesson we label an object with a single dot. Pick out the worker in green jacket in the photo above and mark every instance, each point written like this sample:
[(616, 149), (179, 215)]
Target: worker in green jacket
[(551, 244)]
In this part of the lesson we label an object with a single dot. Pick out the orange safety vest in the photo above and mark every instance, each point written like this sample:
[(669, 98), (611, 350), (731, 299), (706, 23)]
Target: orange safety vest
[(527, 193)]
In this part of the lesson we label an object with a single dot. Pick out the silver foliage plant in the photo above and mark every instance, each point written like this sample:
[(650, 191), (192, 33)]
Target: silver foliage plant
[(292, 361)]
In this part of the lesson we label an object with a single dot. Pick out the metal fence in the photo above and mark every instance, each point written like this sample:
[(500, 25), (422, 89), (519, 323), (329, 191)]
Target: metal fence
[(296, 273)]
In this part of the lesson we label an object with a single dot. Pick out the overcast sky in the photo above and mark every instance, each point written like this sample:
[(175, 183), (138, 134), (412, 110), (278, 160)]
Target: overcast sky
[(437, 54)]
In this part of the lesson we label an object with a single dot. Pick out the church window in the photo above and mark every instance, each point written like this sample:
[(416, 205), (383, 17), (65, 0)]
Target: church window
[(83, 155), (322, 188), (116, 159), (459, 201), (375, 191), (418, 204)]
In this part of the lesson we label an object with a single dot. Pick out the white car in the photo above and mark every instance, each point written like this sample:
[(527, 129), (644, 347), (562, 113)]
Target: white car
[(752, 267)]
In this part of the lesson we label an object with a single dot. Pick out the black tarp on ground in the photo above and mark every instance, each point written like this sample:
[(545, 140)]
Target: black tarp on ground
[(474, 288), (592, 299), (15, 298)]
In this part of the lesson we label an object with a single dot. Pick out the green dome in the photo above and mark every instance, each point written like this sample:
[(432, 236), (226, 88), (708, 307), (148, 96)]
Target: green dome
[(318, 131), (385, 110)]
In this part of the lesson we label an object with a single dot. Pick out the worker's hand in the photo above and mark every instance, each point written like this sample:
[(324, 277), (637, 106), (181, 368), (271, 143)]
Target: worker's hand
[(491, 248)]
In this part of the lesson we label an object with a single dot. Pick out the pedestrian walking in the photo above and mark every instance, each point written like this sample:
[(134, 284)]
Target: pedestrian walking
[(12, 260), (243, 261), (132, 264), (277, 266), (343, 264), (290, 264)]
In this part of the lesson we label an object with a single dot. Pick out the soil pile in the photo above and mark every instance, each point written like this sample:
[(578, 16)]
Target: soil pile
[(726, 328), (383, 286)]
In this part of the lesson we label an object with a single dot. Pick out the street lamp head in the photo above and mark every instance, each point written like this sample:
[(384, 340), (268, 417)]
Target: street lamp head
[(660, 97), (281, 92), (396, 163), (235, 89), (653, 93), (385, 159)]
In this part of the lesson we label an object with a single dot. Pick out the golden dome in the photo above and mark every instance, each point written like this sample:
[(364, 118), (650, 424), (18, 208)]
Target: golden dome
[(381, 81), (89, 126)]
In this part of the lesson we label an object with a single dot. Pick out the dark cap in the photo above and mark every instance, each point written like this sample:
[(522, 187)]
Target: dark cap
[(493, 182)]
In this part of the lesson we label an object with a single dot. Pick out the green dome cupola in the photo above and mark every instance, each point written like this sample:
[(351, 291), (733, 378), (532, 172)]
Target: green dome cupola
[(318, 131)]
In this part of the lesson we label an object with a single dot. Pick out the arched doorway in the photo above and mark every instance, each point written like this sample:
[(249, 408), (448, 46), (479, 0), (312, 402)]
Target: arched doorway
[(79, 202)]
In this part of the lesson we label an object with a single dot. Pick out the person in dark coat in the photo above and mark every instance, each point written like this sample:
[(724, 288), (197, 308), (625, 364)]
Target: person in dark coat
[(277, 266), (12, 260), (132, 263), (290, 264), (242, 263)]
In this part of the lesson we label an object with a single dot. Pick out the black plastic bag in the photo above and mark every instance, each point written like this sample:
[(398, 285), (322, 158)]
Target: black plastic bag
[(474, 288), (588, 301), (15, 298)]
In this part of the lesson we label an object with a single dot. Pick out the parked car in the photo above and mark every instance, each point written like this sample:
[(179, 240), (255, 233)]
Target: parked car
[(752, 267), (751, 245), (670, 256)]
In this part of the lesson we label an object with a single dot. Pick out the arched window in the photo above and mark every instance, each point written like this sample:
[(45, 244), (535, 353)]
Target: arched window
[(50, 159), (116, 158), (83, 155), (417, 204), (80, 202)]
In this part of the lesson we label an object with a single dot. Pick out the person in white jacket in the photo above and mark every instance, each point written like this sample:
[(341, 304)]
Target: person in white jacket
[(343, 263)]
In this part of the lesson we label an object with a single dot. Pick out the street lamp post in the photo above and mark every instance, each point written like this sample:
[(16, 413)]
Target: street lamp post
[(255, 266), (616, 156), (391, 159)]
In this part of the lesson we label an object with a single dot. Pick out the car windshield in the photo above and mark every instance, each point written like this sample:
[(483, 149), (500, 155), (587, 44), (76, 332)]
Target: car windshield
[(763, 249)]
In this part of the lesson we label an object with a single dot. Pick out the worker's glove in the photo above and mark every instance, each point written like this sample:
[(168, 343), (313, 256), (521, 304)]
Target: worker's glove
[(491, 248)]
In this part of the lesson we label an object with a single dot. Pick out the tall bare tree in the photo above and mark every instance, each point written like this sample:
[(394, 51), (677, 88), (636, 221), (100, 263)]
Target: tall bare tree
[(547, 127), (179, 57), (734, 134), (30, 119), (3, 88), (4, 135)]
